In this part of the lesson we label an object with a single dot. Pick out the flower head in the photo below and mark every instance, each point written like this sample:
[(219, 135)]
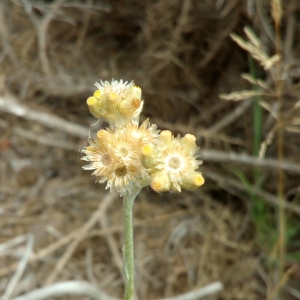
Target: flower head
[(143, 134), (127, 156), (115, 156), (117, 102), (172, 163), (101, 157)]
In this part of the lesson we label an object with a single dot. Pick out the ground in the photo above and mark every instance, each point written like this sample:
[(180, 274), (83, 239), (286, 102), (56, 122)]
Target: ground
[(57, 224)]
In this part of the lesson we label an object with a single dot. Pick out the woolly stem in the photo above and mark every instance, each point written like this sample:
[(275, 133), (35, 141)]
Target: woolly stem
[(128, 253)]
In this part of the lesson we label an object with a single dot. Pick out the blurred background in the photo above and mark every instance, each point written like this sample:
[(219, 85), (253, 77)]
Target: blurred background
[(235, 229)]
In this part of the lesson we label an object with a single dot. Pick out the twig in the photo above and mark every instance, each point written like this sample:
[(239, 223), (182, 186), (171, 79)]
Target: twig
[(238, 111), (13, 242), (50, 140), (289, 36), (292, 291), (70, 288), (89, 267), (228, 183), (22, 265), (218, 41), (47, 139), (84, 28), (68, 238), (263, 18), (104, 204), (112, 245), (199, 133), (210, 289), (41, 27), (5, 36), (94, 7), (44, 252), (9, 104), (230, 157), (82, 288), (183, 21)]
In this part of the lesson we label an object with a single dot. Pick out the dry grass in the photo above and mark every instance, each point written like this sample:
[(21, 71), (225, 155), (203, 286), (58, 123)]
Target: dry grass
[(61, 226)]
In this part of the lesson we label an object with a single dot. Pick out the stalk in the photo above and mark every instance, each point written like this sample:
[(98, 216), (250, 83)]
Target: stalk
[(277, 16), (128, 253)]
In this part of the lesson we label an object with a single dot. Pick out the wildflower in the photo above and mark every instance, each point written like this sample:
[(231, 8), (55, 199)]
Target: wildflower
[(115, 156), (172, 163), (143, 134), (116, 102), (127, 155), (101, 157)]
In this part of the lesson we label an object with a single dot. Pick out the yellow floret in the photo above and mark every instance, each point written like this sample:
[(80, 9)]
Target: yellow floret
[(192, 181), (112, 97), (148, 157), (94, 107), (166, 137), (147, 149), (97, 93), (189, 142), (91, 101), (128, 107), (198, 180), (160, 182), (102, 135)]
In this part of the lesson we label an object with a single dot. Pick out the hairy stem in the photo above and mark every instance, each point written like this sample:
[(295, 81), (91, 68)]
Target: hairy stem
[(128, 254)]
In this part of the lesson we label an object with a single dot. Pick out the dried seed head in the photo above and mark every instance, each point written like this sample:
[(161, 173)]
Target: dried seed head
[(277, 12)]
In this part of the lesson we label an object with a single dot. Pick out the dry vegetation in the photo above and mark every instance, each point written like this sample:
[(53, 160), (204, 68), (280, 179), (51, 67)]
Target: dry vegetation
[(57, 225)]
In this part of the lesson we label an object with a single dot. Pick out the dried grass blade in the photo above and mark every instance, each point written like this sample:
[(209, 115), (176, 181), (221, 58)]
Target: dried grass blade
[(253, 38), (241, 95), (293, 129), (276, 11), (268, 107), (253, 80), (264, 145), (269, 63)]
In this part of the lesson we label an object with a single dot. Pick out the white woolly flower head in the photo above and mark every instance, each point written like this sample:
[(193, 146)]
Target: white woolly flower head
[(127, 155), (115, 156), (172, 163), (117, 102)]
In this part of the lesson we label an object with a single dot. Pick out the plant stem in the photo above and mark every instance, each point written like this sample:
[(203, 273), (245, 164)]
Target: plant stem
[(281, 212), (128, 254)]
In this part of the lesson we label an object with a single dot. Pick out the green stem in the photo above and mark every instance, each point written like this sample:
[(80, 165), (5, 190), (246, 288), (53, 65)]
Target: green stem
[(257, 113), (128, 254)]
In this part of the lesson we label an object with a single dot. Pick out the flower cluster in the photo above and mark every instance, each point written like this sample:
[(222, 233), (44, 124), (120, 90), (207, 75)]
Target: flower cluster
[(116, 102), (128, 155)]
